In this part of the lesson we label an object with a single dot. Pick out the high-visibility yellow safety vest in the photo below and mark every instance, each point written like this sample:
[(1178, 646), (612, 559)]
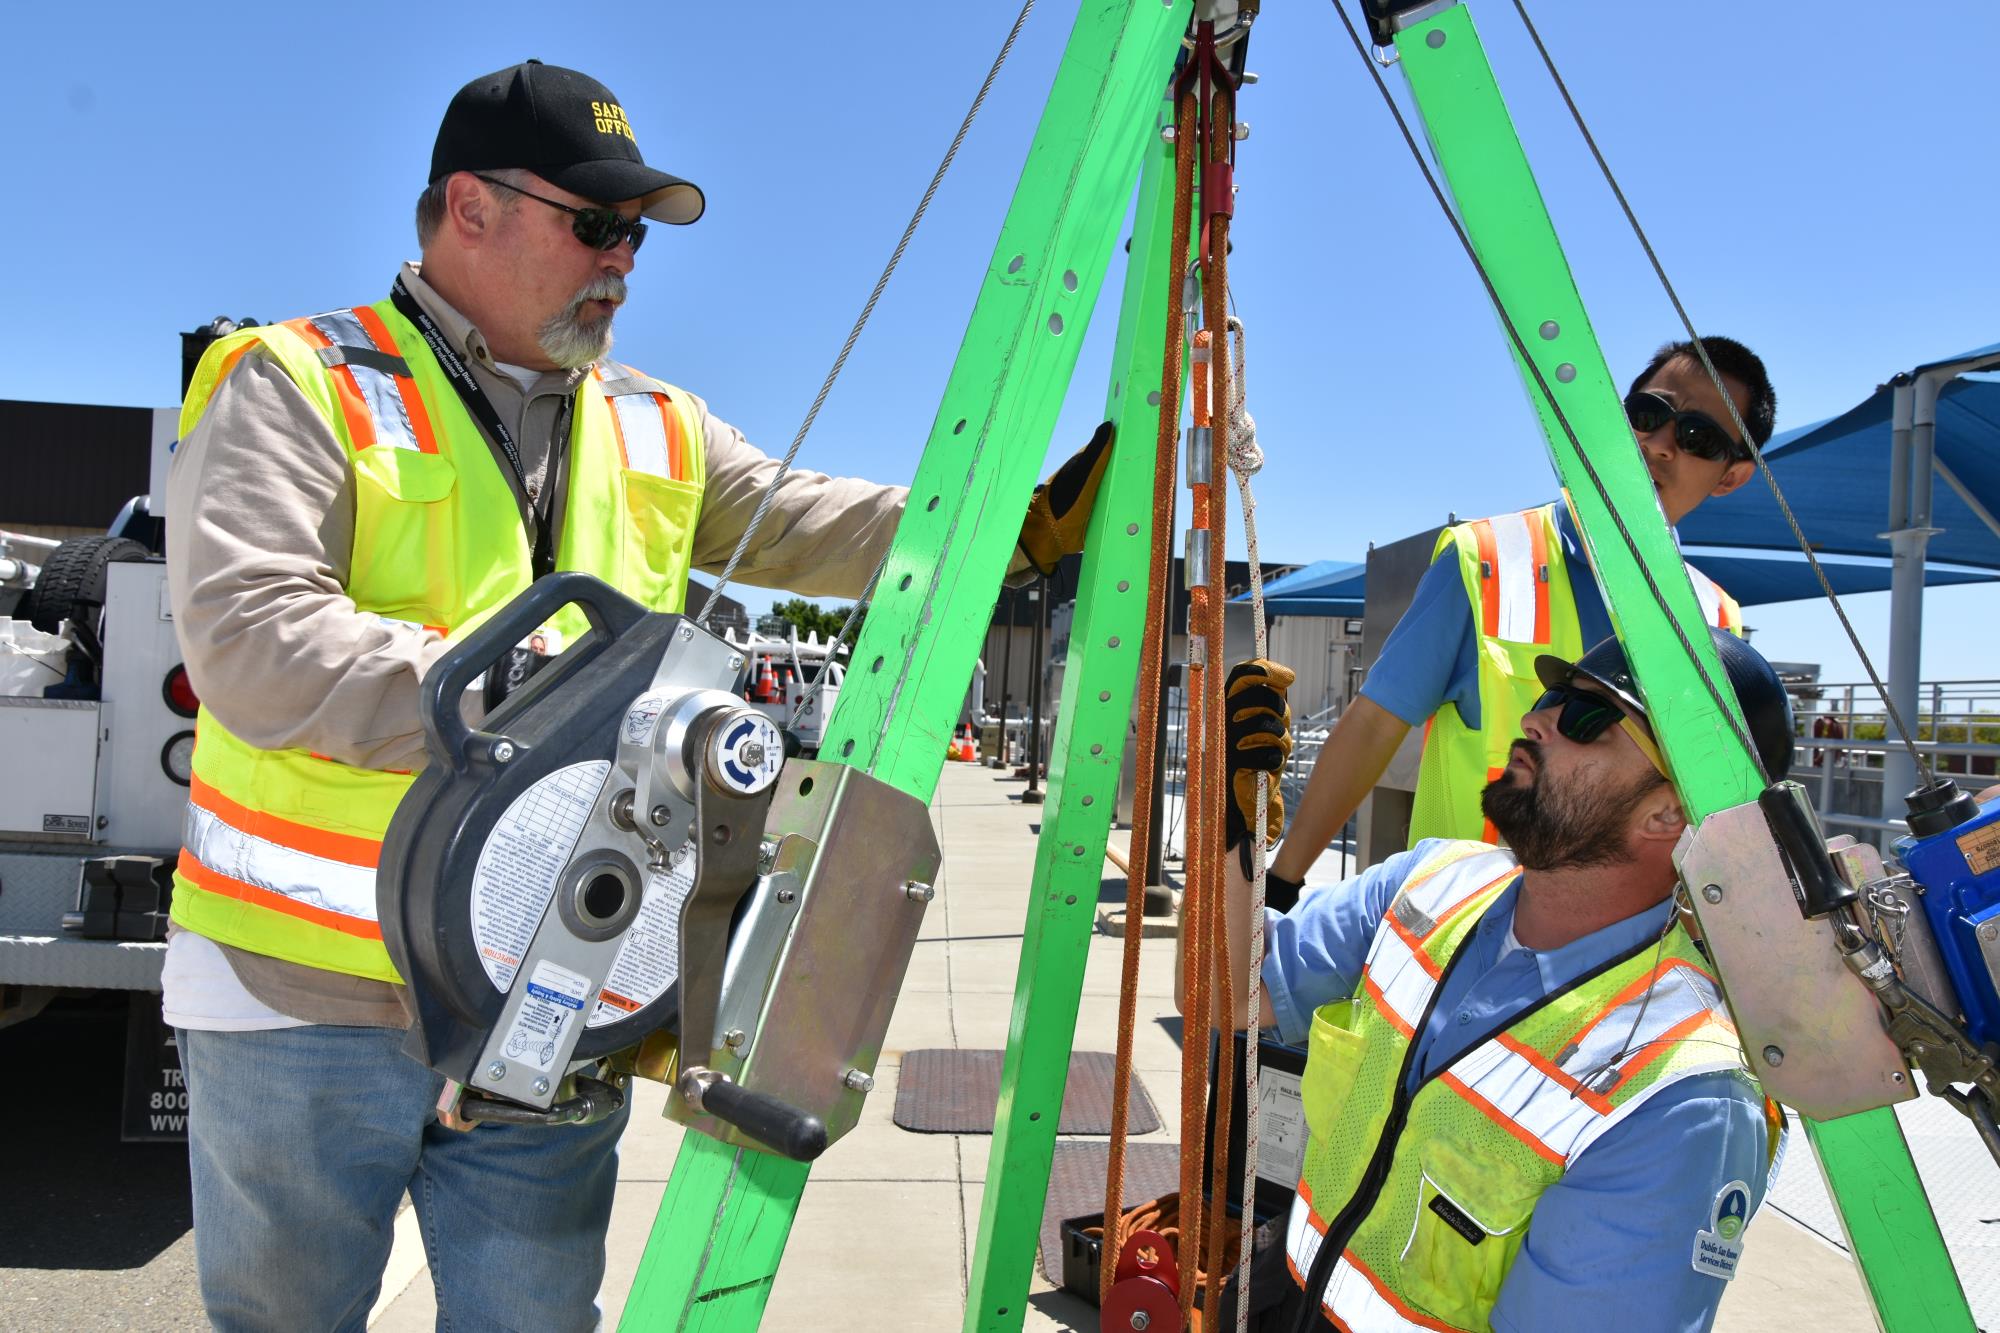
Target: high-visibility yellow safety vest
[(1522, 607), (280, 846), (1443, 1182)]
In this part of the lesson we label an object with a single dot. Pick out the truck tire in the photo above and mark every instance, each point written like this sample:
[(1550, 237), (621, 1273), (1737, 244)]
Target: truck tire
[(71, 586)]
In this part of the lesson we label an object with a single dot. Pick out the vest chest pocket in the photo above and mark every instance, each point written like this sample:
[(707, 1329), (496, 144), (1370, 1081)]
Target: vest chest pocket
[(1471, 1218), (659, 537), (405, 561), (1333, 1062)]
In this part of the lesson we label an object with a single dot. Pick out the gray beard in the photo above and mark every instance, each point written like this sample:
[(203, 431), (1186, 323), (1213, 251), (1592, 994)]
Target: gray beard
[(573, 342)]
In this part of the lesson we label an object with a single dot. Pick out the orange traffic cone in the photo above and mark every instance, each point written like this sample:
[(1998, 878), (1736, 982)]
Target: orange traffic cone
[(767, 683)]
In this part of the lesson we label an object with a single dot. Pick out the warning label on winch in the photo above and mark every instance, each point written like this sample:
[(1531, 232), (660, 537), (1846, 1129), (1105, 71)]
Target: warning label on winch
[(516, 875), (649, 955), (553, 997)]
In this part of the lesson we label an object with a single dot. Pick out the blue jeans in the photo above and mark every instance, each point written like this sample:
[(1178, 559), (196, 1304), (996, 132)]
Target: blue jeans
[(302, 1141)]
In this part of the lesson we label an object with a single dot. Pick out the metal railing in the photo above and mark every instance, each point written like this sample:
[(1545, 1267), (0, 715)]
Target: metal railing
[(1843, 734)]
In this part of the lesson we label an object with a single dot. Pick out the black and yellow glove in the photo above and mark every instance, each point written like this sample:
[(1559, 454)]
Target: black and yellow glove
[(1258, 737), (1059, 510)]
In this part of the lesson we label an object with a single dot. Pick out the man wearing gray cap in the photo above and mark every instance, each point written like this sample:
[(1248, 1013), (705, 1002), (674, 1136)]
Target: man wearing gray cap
[(352, 492)]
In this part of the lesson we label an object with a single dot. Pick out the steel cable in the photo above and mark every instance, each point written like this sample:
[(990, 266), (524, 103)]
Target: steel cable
[(1715, 377), (770, 493)]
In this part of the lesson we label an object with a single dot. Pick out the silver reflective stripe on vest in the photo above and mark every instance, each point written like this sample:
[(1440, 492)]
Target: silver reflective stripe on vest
[(1515, 575), (1350, 1297), (645, 428), (378, 390), (1566, 1110), (315, 881), (1399, 975)]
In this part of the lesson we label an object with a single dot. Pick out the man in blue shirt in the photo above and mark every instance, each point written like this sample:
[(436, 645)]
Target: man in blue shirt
[(1430, 659), (1642, 1227)]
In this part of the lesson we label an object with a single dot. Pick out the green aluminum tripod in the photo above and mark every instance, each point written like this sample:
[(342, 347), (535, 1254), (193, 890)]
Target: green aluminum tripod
[(722, 1227)]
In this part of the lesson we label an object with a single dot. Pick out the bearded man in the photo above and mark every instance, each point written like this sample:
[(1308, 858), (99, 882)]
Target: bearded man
[(1527, 1106)]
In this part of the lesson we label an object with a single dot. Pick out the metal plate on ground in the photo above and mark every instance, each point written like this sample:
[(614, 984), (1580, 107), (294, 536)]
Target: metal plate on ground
[(945, 1091), (1076, 1187)]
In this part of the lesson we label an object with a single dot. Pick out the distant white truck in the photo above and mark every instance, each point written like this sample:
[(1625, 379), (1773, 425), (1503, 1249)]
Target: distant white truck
[(96, 752)]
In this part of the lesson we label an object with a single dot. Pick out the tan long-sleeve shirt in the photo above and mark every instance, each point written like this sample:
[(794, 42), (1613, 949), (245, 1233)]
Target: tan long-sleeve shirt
[(260, 523)]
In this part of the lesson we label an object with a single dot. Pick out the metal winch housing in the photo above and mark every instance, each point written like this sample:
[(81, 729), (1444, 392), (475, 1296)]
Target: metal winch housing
[(621, 848)]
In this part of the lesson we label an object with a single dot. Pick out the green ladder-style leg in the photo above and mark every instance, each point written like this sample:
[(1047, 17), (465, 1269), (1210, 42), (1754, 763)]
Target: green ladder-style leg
[(1874, 1182), (727, 1214), (1088, 755)]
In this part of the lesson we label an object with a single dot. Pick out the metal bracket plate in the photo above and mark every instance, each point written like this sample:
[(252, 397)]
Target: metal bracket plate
[(1813, 1031), (815, 966)]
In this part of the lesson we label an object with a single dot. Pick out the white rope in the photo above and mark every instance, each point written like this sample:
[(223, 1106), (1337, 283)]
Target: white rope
[(1245, 460)]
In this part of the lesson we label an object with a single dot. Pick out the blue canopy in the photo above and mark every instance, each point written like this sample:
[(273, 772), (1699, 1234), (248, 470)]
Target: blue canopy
[(1323, 588), (1835, 473)]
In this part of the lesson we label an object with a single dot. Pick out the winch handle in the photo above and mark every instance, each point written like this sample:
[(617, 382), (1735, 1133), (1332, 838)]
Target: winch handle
[(787, 1130), (611, 615), (1816, 883)]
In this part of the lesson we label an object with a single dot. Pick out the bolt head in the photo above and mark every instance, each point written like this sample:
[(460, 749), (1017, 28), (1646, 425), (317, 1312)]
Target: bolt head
[(734, 1039), (1712, 892), (541, 1087), (497, 1070), (735, 662), (1989, 930), (684, 633), (503, 752), (918, 892), (787, 895), (859, 1080), (1141, 1320), (659, 814), (1774, 1056)]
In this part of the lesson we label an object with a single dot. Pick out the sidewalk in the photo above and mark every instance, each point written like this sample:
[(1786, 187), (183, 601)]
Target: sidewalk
[(888, 1226)]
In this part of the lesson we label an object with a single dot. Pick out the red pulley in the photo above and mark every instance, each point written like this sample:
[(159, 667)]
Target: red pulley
[(1149, 1254), (1140, 1303)]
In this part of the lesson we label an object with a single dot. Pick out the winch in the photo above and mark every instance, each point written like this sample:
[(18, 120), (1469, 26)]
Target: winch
[(621, 854), (1845, 971)]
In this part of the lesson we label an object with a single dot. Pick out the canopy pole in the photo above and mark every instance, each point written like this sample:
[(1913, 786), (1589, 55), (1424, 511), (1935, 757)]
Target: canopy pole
[(1913, 435)]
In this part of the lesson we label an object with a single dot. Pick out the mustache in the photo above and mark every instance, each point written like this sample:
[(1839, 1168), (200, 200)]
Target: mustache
[(604, 287)]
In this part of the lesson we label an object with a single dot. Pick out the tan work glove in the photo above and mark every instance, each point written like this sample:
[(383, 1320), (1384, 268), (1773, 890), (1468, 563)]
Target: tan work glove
[(1059, 510), (1258, 737)]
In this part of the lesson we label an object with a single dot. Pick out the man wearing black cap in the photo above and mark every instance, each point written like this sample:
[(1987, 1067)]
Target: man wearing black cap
[(352, 491), (1526, 1102)]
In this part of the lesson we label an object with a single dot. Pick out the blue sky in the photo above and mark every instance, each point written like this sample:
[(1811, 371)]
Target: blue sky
[(1812, 176)]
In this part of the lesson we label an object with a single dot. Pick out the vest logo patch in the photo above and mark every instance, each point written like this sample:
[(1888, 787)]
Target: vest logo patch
[(1457, 1219), (1717, 1249), (611, 119)]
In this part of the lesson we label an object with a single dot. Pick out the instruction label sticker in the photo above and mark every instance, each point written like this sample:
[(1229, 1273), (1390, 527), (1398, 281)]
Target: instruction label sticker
[(515, 878), (553, 998), (642, 717), (1281, 1127), (649, 957)]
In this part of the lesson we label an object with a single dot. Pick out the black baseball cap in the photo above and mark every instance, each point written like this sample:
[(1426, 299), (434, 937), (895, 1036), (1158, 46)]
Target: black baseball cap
[(565, 127)]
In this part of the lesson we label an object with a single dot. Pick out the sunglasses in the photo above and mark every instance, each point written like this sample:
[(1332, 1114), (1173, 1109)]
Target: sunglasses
[(598, 228), (1695, 432), (1586, 716)]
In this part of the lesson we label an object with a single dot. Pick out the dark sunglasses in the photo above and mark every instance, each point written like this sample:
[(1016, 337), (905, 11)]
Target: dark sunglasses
[(1695, 432), (1584, 716), (598, 228)]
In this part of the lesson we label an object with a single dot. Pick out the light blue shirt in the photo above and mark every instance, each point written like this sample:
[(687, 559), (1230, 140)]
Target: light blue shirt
[(1611, 1244), (1431, 657)]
